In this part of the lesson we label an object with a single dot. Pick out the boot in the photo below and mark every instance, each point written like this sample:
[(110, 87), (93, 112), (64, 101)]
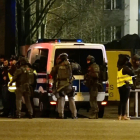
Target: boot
[(119, 117), (125, 118), (30, 116), (61, 116), (17, 117), (74, 116), (94, 116)]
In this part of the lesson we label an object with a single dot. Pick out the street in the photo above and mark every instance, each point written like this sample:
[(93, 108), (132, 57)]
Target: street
[(80, 129), (108, 128)]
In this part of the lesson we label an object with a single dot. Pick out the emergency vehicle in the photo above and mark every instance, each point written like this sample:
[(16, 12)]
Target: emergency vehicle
[(42, 56)]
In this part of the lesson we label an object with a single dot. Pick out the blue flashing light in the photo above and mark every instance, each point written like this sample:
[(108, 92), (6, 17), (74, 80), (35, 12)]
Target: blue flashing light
[(79, 40), (59, 41)]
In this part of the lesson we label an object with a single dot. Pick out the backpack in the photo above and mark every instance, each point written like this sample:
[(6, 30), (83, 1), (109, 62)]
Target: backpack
[(64, 71), (28, 76)]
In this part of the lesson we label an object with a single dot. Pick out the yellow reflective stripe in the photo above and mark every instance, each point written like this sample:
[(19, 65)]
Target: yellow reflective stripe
[(123, 77), (35, 72), (124, 81)]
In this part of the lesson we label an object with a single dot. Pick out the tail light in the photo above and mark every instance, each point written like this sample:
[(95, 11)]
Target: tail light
[(107, 87), (104, 103), (50, 83), (53, 103)]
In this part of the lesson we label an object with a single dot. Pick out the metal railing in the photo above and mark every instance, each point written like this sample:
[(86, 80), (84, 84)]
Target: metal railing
[(136, 91)]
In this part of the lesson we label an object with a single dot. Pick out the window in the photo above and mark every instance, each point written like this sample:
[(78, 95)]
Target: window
[(35, 53), (28, 54), (108, 4), (107, 34), (80, 55), (39, 59), (112, 4)]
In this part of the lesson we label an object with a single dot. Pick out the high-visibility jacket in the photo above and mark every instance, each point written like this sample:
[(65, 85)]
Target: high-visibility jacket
[(122, 79), (13, 87)]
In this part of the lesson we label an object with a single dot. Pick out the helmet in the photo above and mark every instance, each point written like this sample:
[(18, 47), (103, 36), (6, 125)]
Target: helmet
[(136, 57), (91, 59), (23, 61), (63, 56)]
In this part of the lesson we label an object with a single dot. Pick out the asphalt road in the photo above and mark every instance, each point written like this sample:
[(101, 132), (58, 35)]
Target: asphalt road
[(80, 129), (107, 128)]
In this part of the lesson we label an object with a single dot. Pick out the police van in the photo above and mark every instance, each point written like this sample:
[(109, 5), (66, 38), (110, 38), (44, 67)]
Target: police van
[(42, 56)]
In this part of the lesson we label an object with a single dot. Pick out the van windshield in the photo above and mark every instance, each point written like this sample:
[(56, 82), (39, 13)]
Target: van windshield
[(80, 55), (39, 58)]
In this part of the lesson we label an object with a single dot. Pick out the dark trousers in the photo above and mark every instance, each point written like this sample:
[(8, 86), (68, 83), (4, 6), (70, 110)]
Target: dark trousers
[(124, 92), (93, 100), (5, 100), (26, 94), (12, 103)]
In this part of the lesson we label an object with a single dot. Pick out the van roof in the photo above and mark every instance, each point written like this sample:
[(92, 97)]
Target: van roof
[(57, 45)]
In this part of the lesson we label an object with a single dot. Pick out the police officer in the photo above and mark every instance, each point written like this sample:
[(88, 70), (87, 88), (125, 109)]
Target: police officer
[(24, 77), (91, 81), (136, 67), (62, 75)]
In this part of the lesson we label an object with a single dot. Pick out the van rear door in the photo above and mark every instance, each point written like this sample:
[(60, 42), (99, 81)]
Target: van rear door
[(79, 55)]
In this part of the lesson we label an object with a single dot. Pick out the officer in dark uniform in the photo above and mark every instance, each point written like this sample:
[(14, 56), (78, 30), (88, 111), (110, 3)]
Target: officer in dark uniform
[(136, 67), (24, 77), (92, 82), (62, 76)]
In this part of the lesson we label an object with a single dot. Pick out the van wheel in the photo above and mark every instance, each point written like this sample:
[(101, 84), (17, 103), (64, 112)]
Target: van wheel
[(44, 112), (101, 112), (41, 106)]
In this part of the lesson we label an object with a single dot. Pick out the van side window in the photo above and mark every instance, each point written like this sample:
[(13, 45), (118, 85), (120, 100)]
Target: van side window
[(35, 52), (39, 59), (28, 54)]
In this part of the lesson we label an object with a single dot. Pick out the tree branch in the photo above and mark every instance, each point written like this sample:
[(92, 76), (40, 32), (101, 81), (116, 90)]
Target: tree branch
[(63, 25), (29, 6), (42, 18), (32, 14)]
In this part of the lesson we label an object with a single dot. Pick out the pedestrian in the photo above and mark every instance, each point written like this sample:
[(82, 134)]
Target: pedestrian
[(1, 78), (63, 77), (24, 77), (5, 93), (12, 95), (124, 83), (92, 82)]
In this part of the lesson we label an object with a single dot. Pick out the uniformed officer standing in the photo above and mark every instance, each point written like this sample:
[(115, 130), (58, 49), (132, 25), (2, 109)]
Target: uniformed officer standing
[(91, 81), (62, 76), (136, 67), (24, 77)]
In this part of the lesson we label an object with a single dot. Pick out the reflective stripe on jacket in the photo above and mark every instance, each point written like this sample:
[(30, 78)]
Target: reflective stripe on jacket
[(122, 79), (13, 87)]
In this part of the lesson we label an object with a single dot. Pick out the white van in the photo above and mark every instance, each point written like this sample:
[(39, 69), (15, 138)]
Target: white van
[(43, 54)]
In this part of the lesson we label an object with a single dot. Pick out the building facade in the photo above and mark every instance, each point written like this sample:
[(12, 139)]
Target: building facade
[(120, 19)]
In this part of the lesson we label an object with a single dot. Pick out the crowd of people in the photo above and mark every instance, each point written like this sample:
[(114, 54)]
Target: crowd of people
[(8, 67), (128, 77)]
